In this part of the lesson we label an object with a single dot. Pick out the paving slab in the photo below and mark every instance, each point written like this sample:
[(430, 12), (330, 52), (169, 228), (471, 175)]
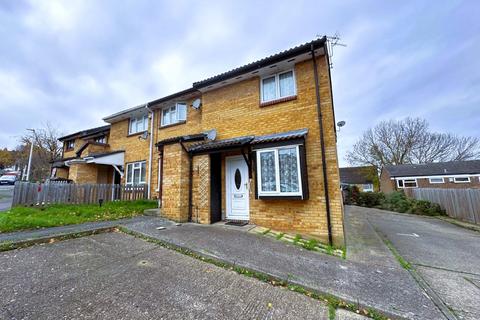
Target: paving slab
[(388, 288), (116, 276), (342, 314), (363, 243)]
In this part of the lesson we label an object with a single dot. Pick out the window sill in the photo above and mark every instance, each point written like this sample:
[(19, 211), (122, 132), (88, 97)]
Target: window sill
[(285, 99), (172, 125), (260, 197), (136, 134)]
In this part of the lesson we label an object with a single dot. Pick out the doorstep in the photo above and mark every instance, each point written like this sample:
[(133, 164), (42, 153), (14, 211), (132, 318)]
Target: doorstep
[(224, 224)]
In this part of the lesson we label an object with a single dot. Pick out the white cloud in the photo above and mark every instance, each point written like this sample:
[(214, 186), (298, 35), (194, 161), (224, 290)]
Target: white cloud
[(55, 15)]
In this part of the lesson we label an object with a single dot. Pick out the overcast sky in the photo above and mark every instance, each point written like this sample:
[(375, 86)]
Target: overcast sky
[(74, 62)]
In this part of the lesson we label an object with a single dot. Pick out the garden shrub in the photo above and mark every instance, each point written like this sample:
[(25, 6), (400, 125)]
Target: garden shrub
[(350, 195), (370, 199), (395, 201), (427, 208)]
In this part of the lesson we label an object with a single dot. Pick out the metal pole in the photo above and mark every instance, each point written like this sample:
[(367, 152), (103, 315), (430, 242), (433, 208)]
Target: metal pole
[(30, 156), (150, 156)]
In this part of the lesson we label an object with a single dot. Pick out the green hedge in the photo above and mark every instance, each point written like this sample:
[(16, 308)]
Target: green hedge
[(394, 201)]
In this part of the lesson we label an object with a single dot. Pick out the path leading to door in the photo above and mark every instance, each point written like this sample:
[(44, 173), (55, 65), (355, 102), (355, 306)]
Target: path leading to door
[(446, 256), (384, 286)]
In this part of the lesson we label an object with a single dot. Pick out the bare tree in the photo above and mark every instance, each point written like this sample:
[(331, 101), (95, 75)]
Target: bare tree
[(46, 148), (410, 141)]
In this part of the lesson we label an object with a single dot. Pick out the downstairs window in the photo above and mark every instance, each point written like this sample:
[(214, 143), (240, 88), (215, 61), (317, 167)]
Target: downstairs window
[(279, 172), (136, 173), (407, 183)]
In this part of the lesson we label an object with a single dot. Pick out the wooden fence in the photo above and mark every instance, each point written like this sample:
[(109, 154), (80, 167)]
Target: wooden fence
[(462, 204), (34, 194)]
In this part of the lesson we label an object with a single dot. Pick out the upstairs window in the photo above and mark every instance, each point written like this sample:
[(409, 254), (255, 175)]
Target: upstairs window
[(136, 173), (280, 85), (138, 124), (69, 144), (101, 139), (278, 171), (174, 114)]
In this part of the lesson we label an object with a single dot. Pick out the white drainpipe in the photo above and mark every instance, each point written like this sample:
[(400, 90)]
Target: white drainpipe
[(150, 164)]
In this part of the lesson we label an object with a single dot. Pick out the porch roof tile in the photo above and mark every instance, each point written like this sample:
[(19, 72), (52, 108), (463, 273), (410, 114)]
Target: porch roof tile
[(246, 140), (288, 135), (221, 144)]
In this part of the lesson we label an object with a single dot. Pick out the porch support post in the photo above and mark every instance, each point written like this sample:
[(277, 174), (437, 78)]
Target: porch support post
[(248, 161)]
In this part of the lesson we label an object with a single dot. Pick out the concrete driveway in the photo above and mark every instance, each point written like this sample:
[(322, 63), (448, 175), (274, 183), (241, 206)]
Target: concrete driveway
[(6, 195), (116, 276), (446, 256)]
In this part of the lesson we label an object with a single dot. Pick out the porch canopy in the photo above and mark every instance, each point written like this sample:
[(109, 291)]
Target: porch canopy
[(245, 141), (115, 159)]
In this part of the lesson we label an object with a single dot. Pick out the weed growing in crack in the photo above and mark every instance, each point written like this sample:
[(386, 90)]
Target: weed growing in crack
[(297, 238), (311, 245)]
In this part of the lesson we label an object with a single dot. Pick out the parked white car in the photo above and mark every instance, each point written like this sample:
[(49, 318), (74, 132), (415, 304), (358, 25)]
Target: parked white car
[(8, 179)]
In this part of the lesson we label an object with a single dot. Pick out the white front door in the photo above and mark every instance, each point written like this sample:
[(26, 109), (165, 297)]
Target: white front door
[(237, 188)]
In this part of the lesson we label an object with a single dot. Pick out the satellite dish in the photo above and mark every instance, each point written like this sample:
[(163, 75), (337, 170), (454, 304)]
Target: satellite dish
[(211, 134), (143, 136), (341, 123), (196, 104)]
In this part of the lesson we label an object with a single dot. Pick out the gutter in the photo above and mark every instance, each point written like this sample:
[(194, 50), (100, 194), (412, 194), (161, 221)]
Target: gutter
[(322, 146), (150, 151)]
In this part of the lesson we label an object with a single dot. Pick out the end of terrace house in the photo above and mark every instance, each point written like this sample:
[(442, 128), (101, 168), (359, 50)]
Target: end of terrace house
[(256, 143)]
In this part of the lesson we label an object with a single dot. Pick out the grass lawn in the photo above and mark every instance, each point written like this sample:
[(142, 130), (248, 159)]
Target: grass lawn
[(20, 218)]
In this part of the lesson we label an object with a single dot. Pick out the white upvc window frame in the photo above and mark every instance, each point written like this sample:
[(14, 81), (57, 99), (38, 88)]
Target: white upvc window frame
[(129, 173), (432, 180), (69, 144), (133, 124), (277, 85), (369, 189), (277, 192), (404, 181), (101, 139), (456, 181), (177, 118)]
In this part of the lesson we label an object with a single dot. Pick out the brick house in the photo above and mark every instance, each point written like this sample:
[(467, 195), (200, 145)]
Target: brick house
[(364, 178), (448, 175), (82, 155), (256, 143)]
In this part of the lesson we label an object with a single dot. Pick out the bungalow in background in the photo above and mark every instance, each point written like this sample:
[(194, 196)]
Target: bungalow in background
[(447, 175), (364, 178)]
